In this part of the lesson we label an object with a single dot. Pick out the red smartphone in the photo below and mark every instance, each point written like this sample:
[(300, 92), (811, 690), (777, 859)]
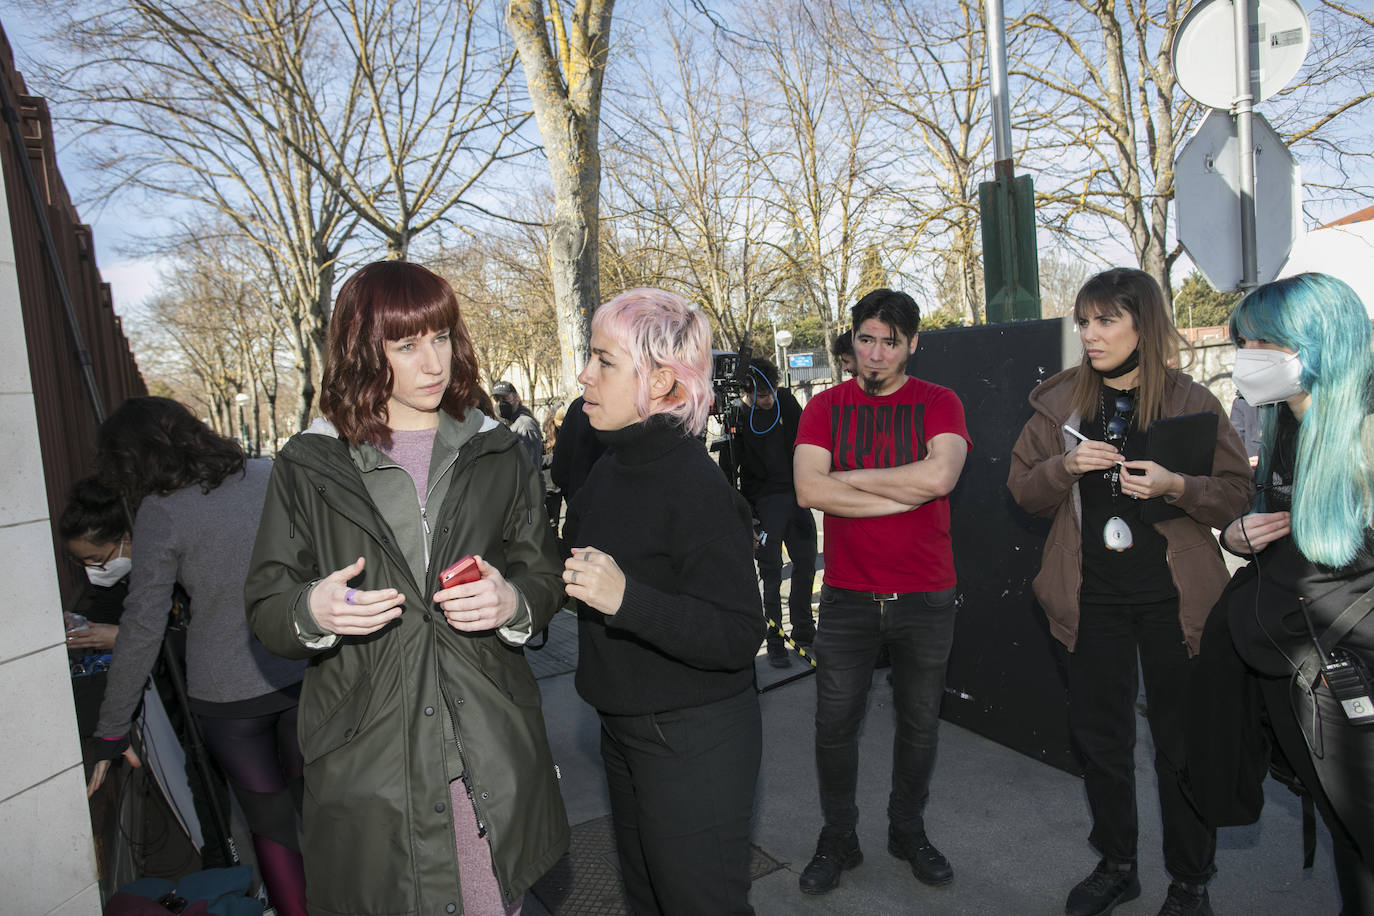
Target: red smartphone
[(465, 570)]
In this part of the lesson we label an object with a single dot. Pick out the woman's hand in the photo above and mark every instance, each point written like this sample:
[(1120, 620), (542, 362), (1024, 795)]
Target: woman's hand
[(102, 769), (1090, 455), (486, 604), (1156, 481), (97, 636), (352, 611), (595, 579), (1251, 533)]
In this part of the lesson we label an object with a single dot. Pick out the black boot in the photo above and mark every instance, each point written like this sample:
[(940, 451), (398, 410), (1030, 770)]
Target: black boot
[(1110, 883), (834, 853)]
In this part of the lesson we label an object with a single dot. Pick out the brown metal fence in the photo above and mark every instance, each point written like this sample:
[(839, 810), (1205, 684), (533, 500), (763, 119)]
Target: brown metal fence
[(66, 420)]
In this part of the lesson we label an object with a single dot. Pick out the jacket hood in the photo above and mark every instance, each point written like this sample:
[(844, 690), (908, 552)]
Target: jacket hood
[(1054, 396), (318, 445), (320, 449)]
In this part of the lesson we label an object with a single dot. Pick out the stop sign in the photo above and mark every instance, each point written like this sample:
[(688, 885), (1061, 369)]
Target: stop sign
[(1207, 198)]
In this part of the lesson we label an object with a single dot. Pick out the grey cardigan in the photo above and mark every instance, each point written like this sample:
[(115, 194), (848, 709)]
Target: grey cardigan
[(204, 541)]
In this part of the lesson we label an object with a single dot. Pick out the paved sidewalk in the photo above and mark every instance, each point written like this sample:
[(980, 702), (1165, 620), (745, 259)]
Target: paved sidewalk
[(1014, 829)]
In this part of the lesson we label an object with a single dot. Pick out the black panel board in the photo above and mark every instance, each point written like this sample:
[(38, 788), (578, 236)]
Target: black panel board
[(1005, 677)]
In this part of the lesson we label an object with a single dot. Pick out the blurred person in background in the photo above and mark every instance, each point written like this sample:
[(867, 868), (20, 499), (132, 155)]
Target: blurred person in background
[(759, 457)]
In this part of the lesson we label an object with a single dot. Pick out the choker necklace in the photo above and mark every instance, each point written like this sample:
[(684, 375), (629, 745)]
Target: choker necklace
[(1130, 364), (1116, 534)]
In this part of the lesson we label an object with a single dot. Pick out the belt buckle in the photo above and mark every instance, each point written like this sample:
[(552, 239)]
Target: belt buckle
[(884, 596)]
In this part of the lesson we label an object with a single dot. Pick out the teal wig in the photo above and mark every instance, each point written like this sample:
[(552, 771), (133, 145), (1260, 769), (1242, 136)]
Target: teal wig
[(1325, 323)]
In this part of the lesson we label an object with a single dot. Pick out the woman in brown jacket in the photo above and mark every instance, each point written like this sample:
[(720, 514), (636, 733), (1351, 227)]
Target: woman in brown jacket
[(1117, 587)]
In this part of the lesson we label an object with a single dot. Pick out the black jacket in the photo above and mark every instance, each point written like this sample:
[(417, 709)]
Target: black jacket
[(759, 453), (691, 620)]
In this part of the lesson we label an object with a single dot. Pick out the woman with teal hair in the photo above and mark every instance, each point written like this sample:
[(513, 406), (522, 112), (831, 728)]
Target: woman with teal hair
[(1305, 359)]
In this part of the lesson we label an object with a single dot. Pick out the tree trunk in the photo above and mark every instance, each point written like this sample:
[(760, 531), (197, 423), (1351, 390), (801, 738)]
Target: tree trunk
[(565, 91)]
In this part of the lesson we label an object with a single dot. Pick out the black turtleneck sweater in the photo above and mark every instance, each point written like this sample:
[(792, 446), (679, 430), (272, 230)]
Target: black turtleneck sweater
[(691, 622)]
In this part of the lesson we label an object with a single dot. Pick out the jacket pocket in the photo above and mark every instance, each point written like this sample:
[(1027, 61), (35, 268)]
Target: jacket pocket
[(1056, 585), (326, 726), (507, 669)]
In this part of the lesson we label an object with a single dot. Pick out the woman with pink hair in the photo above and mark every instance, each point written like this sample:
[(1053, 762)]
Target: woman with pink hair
[(669, 610)]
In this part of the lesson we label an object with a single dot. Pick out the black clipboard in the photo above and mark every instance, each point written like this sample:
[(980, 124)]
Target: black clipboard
[(1185, 445)]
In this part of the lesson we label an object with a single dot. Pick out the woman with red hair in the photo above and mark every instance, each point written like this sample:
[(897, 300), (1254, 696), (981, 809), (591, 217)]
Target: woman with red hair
[(429, 781)]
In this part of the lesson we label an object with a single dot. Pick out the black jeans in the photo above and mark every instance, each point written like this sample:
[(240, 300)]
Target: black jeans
[(918, 629), (682, 795), (790, 524), (1104, 678)]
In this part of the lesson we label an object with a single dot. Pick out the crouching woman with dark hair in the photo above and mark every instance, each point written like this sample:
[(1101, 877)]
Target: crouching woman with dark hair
[(429, 781), (196, 501)]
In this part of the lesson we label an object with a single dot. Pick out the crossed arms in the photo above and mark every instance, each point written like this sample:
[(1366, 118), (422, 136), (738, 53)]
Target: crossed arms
[(870, 492)]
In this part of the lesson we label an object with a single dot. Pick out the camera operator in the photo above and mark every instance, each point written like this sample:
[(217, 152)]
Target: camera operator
[(759, 458)]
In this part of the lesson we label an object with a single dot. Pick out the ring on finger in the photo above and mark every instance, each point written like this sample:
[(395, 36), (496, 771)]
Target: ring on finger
[(348, 595), (573, 580)]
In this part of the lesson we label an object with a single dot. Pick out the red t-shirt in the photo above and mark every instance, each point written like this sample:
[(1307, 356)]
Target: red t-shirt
[(909, 551)]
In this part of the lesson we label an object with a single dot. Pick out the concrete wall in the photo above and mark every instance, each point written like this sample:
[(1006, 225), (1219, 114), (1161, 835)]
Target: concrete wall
[(47, 860)]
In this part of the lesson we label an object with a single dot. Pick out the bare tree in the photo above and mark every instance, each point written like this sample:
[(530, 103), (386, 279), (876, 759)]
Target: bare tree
[(434, 82), (207, 334), (823, 154), (684, 171), (925, 65), (1113, 118), (190, 105), (564, 59), (505, 285)]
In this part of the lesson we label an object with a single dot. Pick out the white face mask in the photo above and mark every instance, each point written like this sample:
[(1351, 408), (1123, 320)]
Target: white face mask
[(1267, 376), (114, 569)]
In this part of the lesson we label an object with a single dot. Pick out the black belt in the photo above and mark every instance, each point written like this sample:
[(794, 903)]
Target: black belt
[(879, 596)]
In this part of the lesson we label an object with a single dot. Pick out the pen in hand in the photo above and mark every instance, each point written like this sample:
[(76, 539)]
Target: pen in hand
[(1081, 438)]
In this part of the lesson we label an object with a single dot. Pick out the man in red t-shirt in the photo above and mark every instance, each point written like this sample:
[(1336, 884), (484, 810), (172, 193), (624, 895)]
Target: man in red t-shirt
[(879, 455)]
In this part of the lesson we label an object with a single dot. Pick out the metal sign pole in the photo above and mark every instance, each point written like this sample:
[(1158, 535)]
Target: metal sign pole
[(997, 72), (1244, 109)]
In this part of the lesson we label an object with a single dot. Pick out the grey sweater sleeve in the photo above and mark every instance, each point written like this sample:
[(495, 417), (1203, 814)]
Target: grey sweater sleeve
[(144, 620)]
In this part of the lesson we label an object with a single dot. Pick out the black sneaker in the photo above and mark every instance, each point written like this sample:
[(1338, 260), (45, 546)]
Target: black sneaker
[(1099, 893), (1186, 900), (834, 853), (777, 656), (927, 864)]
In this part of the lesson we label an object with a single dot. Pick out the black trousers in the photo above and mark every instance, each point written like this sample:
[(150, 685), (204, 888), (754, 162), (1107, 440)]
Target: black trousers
[(682, 795), (918, 630), (1104, 679), (787, 523), (1346, 796)]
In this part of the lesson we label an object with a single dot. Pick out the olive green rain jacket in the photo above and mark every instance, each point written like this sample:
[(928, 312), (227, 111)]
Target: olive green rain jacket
[(386, 720)]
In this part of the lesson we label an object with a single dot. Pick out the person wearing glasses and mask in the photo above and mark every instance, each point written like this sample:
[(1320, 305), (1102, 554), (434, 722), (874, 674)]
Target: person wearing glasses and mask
[(95, 534), (1117, 587), (1305, 362)]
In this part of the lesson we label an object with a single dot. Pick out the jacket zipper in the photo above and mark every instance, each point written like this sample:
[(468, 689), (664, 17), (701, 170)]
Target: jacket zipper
[(424, 510)]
